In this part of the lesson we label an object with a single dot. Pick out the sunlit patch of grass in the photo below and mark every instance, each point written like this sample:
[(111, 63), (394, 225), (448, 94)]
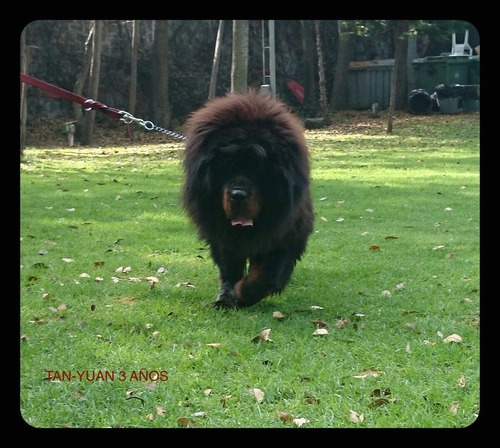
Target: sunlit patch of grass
[(391, 270)]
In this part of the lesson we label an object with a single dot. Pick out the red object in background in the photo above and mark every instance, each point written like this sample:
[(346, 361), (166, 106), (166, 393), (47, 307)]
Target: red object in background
[(297, 90)]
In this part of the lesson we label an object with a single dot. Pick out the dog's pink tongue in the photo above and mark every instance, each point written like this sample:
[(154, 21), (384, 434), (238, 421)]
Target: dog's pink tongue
[(242, 222)]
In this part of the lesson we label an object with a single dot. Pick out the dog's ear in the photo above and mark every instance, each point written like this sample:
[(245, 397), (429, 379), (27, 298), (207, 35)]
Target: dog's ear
[(198, 175)]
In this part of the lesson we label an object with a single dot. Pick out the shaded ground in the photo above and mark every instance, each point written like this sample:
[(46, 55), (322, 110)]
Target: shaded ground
[(111, 133)]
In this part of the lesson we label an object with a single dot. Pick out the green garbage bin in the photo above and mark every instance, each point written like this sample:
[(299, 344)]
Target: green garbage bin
[(458, 69), (474, 70), (434, 70)]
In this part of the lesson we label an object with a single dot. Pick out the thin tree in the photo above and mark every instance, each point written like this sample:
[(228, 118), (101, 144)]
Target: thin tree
[(134, 50), (346, 41), (310, 98), (321, 74), (215, 64), (239, 67), (25, 62), (84, 71), (399, 71), (161, 103), (95, 74)]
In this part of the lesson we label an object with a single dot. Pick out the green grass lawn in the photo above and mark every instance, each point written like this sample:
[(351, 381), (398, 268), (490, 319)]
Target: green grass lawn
[(116, 317)]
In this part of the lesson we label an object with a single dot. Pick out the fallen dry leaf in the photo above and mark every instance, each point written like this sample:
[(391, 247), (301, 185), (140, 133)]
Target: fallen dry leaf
[(378, 402), (263, 336), (454, 407), (310, 399), (380, 392), (213, 344), (284, 416), (320, 323), (186, 284), (186, 422), (374, 247), (152, 281), (320, 332), (160, 410), (298, 422), (134, 279), (452, 338), (369, 372), (67, 260), (257, 393), (278, 315), (225, 399), (355, 417), (341, 323), (462, 383)]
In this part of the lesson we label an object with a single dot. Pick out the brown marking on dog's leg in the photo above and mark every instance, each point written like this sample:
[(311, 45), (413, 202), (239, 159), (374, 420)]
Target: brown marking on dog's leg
[(253, 287)]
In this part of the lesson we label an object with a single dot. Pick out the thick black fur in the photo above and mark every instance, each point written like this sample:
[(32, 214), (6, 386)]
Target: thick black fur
[(247, 190)]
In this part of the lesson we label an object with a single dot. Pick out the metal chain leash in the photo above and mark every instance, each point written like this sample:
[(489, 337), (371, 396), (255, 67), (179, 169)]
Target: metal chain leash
[(89, 104), (149, 125)]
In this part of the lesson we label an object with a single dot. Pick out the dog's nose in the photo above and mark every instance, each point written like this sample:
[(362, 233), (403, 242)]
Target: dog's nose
[(238, 195)]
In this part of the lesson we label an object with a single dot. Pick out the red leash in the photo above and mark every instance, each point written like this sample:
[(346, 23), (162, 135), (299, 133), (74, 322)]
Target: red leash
[(61, 93), (91, 104)]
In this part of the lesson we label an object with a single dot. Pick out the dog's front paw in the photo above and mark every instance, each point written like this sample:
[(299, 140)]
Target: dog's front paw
[(226, 298)]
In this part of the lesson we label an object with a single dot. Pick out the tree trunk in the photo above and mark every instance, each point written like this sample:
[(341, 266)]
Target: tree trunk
[(161, 102), (25, 62), (133, 66), (84, 71), (321, 74), (398, 84), (346, 41), (95, 73), (310, 98), (401, 65), (239, 68), (215, 65)]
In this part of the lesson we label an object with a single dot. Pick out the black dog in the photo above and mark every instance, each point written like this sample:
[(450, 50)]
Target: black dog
[(247, 190)]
